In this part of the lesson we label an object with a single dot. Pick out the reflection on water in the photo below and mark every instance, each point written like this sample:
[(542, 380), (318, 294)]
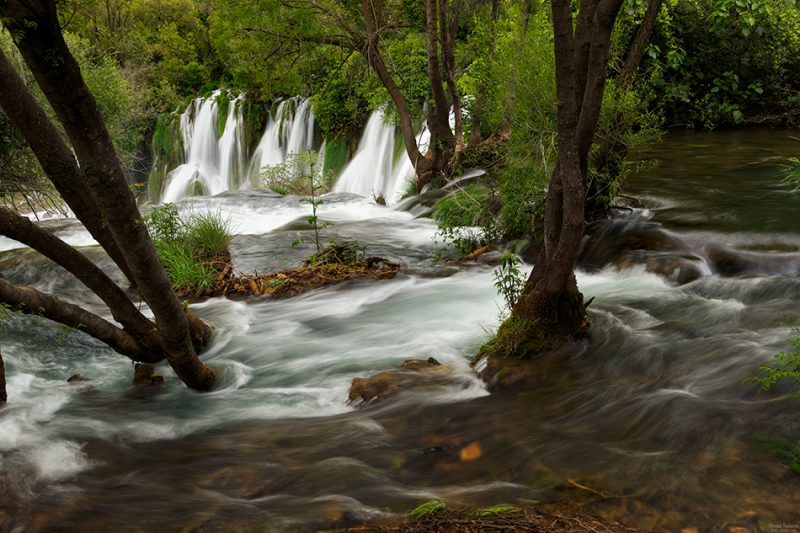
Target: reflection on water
[(652, 407)]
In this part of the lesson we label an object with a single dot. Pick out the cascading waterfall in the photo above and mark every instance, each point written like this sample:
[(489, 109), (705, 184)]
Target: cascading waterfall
[(373, 171), (291, 131), (216, 163), (211, 165)]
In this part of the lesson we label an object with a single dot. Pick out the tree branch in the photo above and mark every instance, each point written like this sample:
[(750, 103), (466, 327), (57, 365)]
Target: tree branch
[(30, 301)]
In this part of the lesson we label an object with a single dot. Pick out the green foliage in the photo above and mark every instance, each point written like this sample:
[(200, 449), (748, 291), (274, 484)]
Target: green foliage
[(792, 169), (427, 509), (302, 174), (724, 62), (186, 273), (508, 279), (164, 223), (786, 365), (463, 218), (209, 233), (185, 245), (495, 510)]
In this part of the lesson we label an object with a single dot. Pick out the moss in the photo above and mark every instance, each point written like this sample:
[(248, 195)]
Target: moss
[(223, 106), (167, 152), (335, 156), (254, 115)]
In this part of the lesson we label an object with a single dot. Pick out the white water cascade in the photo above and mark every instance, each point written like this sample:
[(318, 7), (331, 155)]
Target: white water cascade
[(212, 165), (215, 164), (291, 131), (373, 171)]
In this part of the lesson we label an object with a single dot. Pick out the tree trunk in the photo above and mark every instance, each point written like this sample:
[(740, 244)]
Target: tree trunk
[(32, 302), (442, 139), (608, 160), (55, 158), (21, 229), (3, 394), (550, 310), (447, 33), (477, 110), (42, 45)]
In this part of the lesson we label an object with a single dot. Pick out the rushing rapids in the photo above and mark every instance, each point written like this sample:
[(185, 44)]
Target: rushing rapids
[(652, 412)]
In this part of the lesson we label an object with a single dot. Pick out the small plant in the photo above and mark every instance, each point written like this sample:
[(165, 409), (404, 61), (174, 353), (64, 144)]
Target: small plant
[(303, 175), (792, 177), (164, 223), (509, 280), (785, 366), (463, 219), (209, 233), (427, 509), (313, 219)]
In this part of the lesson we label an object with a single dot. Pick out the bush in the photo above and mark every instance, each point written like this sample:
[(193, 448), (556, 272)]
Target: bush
[(463, 218), (786, 365)]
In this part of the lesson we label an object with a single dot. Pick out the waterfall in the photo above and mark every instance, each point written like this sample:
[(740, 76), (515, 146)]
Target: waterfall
[(211, 165), (290, 131), (215, 164), (373, 170)]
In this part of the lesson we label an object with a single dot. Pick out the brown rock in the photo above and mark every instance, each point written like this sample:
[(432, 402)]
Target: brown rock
[(146, 375), (78, 378), (391, 382)]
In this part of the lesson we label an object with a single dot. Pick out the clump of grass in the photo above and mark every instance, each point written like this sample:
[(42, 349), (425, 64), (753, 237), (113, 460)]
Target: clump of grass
[(427, 509), (208, 233), (185, 246)]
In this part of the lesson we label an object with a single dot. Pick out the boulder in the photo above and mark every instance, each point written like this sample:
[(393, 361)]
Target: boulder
[(389, 383)]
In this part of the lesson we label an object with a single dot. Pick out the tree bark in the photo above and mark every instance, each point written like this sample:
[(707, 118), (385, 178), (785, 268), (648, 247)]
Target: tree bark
[(32, 302), (640, 42), (607, 161), (55, 158), (58, 75), (21, 229), (550, 310), (3, 393)]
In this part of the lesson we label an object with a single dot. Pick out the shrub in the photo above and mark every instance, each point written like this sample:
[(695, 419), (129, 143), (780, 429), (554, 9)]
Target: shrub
[(786, 365), (463, 218)]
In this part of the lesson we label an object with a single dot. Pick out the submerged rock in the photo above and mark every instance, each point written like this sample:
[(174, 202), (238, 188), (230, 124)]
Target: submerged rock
[(144, 375), (389, 383), (78, 378)]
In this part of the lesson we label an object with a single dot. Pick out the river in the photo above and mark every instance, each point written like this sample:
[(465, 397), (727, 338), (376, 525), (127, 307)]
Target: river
[(691, 292)]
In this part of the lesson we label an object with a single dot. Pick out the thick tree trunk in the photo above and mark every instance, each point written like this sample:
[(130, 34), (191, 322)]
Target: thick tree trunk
[(550, 310), (42, 45), (3, 394)]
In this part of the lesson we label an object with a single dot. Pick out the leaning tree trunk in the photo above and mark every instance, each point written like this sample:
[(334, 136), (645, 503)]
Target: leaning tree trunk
[(3, 394), (39, 39), (550, 310)]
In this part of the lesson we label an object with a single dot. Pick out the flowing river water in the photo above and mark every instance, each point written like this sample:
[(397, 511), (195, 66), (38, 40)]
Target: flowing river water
[(690, 291)]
